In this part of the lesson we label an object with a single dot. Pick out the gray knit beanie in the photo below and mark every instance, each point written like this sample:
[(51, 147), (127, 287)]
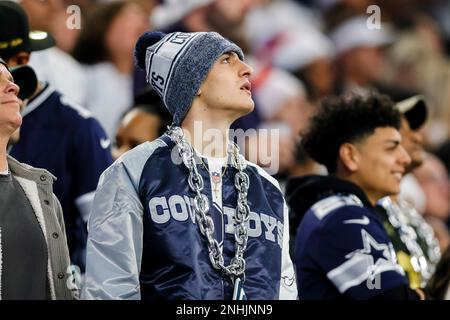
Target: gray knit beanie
[(176, 64)]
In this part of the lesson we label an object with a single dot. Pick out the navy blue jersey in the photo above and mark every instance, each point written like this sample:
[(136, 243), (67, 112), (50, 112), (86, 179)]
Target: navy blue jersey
[(342, 251), (65, 139)]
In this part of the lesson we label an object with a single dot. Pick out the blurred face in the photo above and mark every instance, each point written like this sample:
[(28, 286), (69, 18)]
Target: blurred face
[(21, 58), (136, 127), (124, 31), (65, 37), (148, 5), (366, 63), (227, 87), (320, 75), (380, 163), (40, 12), (295, 112), (232, 12), (433, 178), (412, 141), (10, 118)]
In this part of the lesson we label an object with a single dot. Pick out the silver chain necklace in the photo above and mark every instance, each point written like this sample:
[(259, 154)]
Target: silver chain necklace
[(236, 268), (403, 217)]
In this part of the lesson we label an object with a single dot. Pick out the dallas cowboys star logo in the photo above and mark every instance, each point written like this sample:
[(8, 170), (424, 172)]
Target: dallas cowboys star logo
[(382, 252), (360, 264)]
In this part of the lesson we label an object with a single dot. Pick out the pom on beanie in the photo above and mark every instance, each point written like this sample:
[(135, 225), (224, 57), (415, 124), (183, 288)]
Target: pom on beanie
[(146, 40)]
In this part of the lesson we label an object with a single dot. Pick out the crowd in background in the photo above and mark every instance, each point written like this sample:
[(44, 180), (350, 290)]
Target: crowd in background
[(301, 52)]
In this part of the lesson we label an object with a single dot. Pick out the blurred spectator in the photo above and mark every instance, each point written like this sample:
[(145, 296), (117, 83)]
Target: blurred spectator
[(308, 54), (31, 260), (414, 241), (51, 16), (280, 97), (288, 36), (359, 55), (83, 4), (304, 165), (105, 46), (336, 11), (414, 111), (270, 19), (282, 105), (171, 13), (439, 285), (58, 135), (145, 121), (433, 178), (416, 61), (16, 37), (440, 11), (226, 17), (403, 13)]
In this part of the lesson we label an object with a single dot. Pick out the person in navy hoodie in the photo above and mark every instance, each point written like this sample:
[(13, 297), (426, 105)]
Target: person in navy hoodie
[(341, 249)]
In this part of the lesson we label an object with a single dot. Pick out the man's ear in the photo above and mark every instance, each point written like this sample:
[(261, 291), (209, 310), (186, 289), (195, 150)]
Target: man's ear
[(349, 156)]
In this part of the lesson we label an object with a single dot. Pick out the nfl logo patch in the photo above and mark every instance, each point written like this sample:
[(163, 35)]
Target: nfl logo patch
[(215, 177)]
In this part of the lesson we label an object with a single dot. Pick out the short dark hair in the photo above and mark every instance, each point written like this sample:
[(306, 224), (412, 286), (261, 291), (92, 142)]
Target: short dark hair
[(345, 119)]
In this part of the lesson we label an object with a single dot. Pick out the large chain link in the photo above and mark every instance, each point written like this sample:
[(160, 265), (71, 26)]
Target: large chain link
[(205, 223), (401, 216)]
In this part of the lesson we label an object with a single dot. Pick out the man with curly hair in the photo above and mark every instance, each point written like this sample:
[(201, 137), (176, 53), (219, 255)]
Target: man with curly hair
[(342, 250)]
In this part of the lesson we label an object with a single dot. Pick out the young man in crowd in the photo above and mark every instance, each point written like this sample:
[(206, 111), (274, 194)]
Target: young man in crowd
[(208, 225), (342, 249)]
